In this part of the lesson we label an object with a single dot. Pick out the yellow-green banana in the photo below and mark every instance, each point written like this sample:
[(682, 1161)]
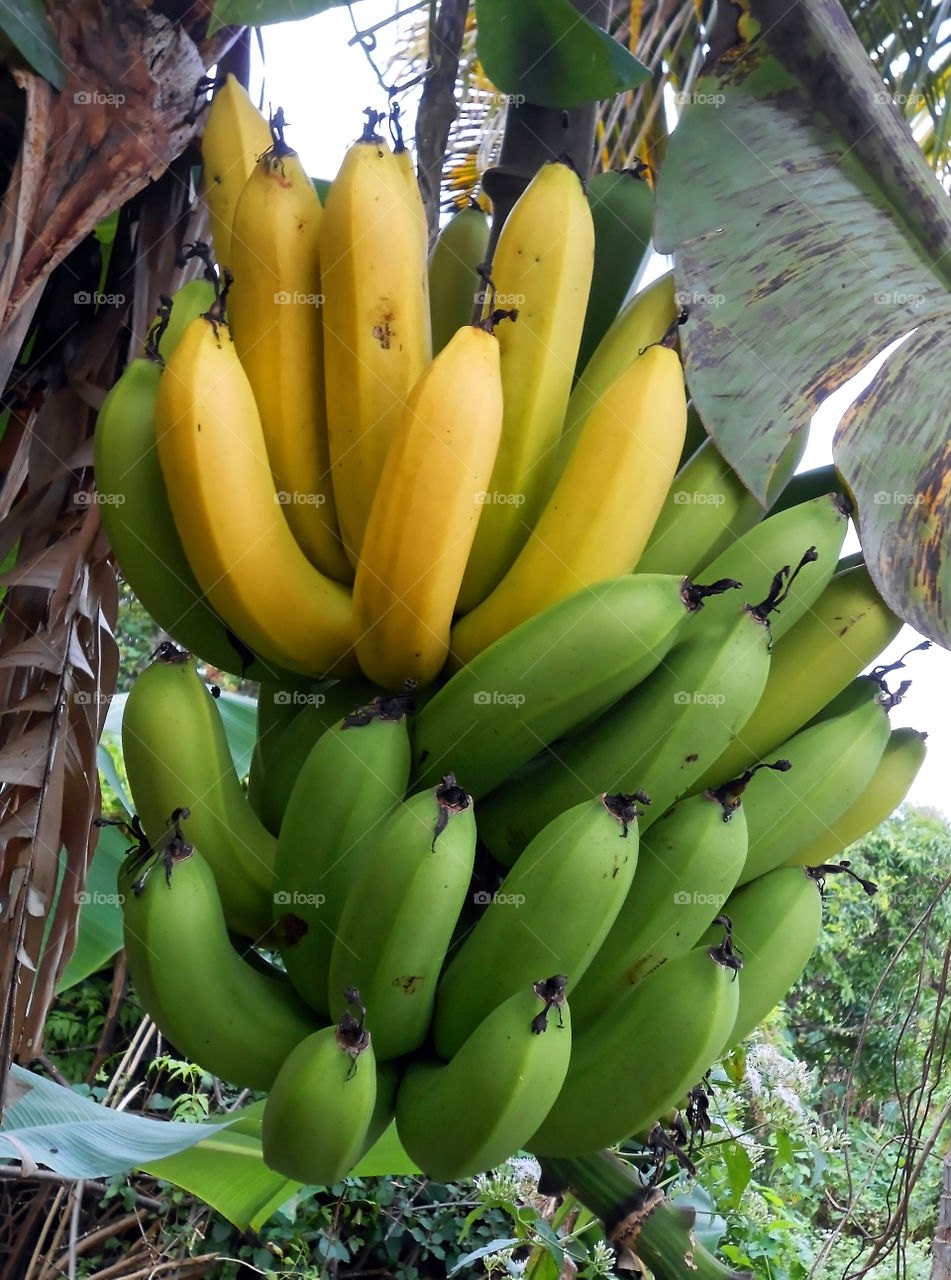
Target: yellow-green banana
[(553, 908), (398, 917), (555, 671), (599, 516), (216, 1008), (353, 777), (460, 247), (376, 322), (542, 266), (903, 756), (462, 1117), (274, 307), (319, 1109), (638, 1059), (235, 135), (426, 511), (191, 300), (243, 553)]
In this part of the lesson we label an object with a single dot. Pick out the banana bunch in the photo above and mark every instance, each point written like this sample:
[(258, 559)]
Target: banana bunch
[(559, 734)]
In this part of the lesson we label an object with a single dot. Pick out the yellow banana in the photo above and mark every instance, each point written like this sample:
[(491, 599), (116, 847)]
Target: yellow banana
[(274, 311), (602, 510), (425, 512), (413, 194), (235, 135), (234, 531), (376, 321), (542, 266)]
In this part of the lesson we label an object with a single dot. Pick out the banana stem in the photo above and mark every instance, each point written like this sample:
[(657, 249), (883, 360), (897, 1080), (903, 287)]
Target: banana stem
[(637, 1217)]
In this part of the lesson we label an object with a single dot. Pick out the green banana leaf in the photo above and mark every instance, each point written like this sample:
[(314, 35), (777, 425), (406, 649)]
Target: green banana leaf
[(28, 28), (99, 935), (262, 13), (809, 234)]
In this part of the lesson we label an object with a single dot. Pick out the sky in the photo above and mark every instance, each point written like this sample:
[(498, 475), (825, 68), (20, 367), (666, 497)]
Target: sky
[(324, 86)]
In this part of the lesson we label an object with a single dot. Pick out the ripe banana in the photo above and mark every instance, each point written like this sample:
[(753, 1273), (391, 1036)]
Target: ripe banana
[(559, 668), (399, 913), (903, 756), (318, 1110), (622, 209), (352, 779), (274, 310), (554, 908), (638, 1059), (376, 322), (643, 320), (216, 1008), (235, 135), (412, 196), (688, 864), (845, 628), (542, 266), (463, 1117), (657, 739), (832, 763), (211, 448), (177, 756), (426, 511), (460, 247), (776, 920), (601, 512)]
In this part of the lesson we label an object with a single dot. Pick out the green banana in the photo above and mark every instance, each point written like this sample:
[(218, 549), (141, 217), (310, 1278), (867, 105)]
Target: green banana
[(554, 907), (637, 1059), (658, 738), (320, 1107), (553, 671), (903, 756), (400, 911), (622, 209), (276, 709), (352, 779), (694, 437), (216, 1008), (688, 864), (806, 485), (708, 508), (177, 756), (468, 1115), (461, 246), (846, 627), (831, 764), (191, 300), (775, 922)]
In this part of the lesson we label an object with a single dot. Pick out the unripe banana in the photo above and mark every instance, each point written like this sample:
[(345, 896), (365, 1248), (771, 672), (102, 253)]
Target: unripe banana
[(901, 760), (319, 1108), (216, 1008), (460, 247), (190, 301), (688, 864), (399, 913), (559, 668), (657, 739), (806, 485), (542, 266), (843, 631), (776, 921), (211, 448), (235, 135), (376, 321), (555, 906), (176, 756), (638, 1059), (600, 514), (353, 777), (463, 1117), (274, 307), (832, 763), (426, 511)]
